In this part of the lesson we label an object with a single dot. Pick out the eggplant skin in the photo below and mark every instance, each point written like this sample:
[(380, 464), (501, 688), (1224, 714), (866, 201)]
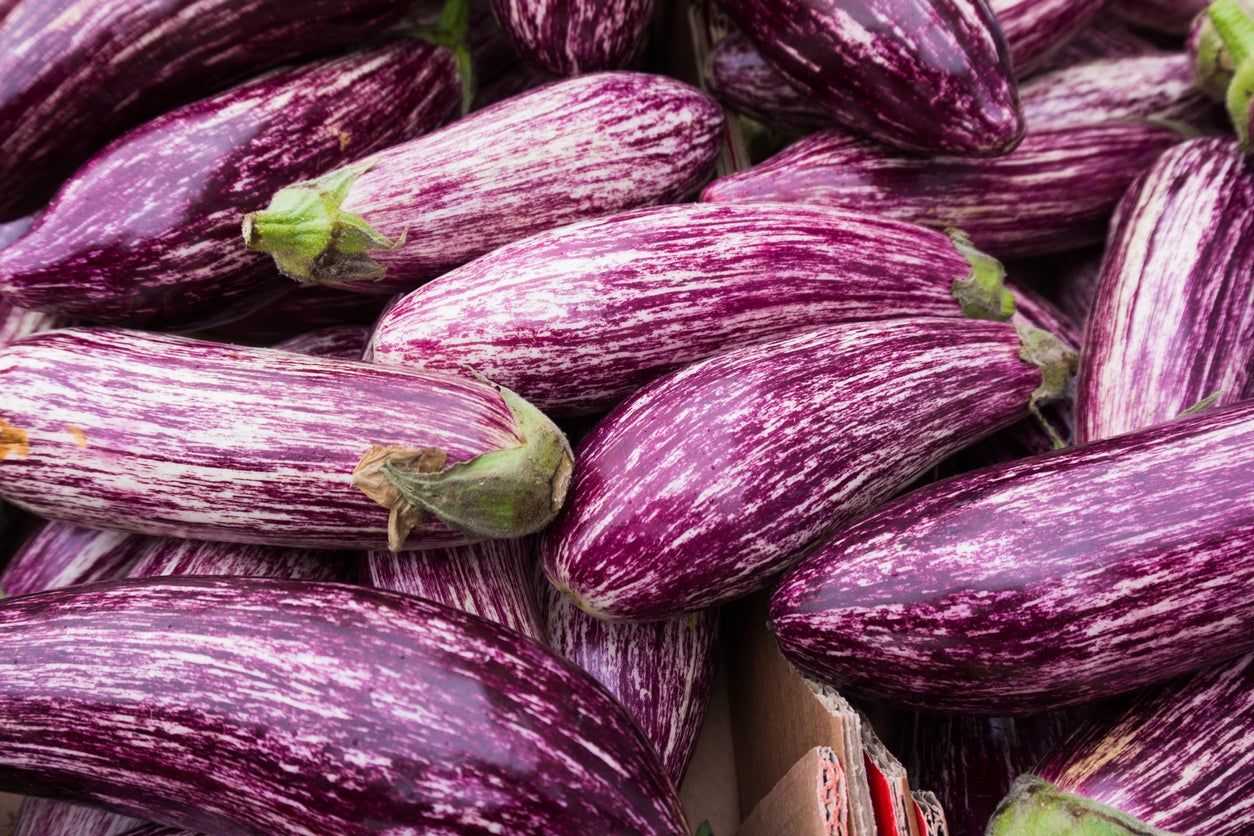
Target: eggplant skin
[(346, 342), (422, 717), (77, 73), (925, 75), (1169, 17), (570, 37), (1173, 317), (1035, 29), (1043, 583), (147, 232), (59, 555)]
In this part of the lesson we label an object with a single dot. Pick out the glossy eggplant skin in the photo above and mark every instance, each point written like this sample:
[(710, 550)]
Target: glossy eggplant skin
[(926, 75), (1039, 584), (1053, 193), (570, 37), (1105, 37), (1173, 316), (60, 555), (423, 719), (1035, 29), (74, 74), (738, 75), (706, 483), (147, 232)]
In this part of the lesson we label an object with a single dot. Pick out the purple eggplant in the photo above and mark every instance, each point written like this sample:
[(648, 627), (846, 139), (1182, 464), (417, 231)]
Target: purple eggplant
[(1105, 37), (60, 555), (492, 579), (347, 342), (1167, 17), (1035, 29), (1177, 758), (1173, 317), (162, 556), (704, 485), (577, 318), (182, 438), (580, 148), (739, 76), (16, 323), (45, 817), (569, 37), (924, 75), (13, 230), (1054, 193), (365, 711), (77, 73), (662, 672), (147, 233), (1043, 583), (298, 312)]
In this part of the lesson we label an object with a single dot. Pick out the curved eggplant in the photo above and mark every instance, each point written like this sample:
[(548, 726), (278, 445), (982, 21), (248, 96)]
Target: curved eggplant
[(147, 233), (346, 342), (1043, 583), (737, 74), (16, 323), (576, 149), (1168, 17), (569, 37), (60, 555), (1105, 37), (166, 556), (707, 483), (183, 438), (1035, 29)]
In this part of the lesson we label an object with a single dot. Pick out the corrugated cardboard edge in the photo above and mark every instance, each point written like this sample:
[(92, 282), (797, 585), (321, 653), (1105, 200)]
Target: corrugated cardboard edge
[(931, 814), (901, 804), (708, 791), (812, 799)]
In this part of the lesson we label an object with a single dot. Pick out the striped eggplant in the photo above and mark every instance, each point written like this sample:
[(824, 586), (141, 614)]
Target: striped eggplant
[(60, 555), (45, 817), (662, 672), (1168, 17), (1043, 583), (580, 148), (1178, 758), (707, 483), (737, 74), (347, 342), (1053, 194), (569, 37), (147, 233), (1035, 29), (77, 73), (298, 312), (924, 75), (1105, 37), (493, 579), (1222, 48), (422, 718), (1173, 316), (183, 438), (577, 318), (16, 323)]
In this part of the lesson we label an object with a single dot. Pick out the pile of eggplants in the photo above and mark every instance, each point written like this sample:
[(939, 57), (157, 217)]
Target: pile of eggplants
[(392, 395)]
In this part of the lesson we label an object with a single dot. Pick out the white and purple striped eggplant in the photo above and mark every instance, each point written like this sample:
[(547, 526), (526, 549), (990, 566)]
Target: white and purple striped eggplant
[(1167, 17), (365, 712), (577, 318), (1054, 193), (662, 672), (1035, 29), (1043, 583), (147, 233), (1173, 317), (60, 555), (576, 149), (177, 437), (737, 74), (1178, 758), (707, 483), (346, 342), (79, 72), (1105, 37), (493, 579), (299, 312), (45, 817), (569, 37), (924, 75), (16, 323)]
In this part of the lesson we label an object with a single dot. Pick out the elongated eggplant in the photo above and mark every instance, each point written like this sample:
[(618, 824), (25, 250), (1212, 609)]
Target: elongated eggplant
[(60, 555), (45, 817), (1042, 583), (1177, 758), (662, 672), (147, 233), (569, 37), (1105, 37), (577, 318), (739, 76), (576, 149), (1173, 317), (493, 579), (423, 719), (347, 342), (710, 481), (16, 323), (178, 437), (300, 311), (1035, 29), (876, 67), (77, 73), (1168, 17), (1053, 194)]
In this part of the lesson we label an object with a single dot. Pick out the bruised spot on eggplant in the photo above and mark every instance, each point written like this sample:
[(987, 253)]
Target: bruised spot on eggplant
[(78, 434), (371, 479), (13, 440)]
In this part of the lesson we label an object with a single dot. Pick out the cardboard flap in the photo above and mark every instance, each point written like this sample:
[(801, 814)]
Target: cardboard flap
[(810, 800)]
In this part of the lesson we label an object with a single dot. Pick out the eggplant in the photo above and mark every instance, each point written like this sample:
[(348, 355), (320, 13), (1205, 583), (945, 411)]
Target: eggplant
[(1173, 316), (1177, 758), (16, 323), (1222, 46), (44, 817), (183, 438), (375, 712), (1053, 194), (59, 555), (13, 230), (739, 76), (705, 484), (299, 312), (924, 75), (77, 73), (569, 37), (1042, 583), (493, 579), (577, 318), (580, 148), (662, 672), (1105, 37), (1035, 29), (347, 342), (147, 233), (1167, 17), (162, 556)]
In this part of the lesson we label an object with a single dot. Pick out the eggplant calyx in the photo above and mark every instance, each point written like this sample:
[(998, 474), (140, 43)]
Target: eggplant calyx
[(1035, 807), (1051, 355), (982, 293), (312, 239), (450, 32), (1235, 29)]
